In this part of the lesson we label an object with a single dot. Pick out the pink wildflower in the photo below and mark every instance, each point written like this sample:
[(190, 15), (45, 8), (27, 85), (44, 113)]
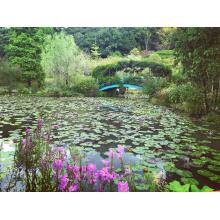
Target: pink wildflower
[(55, 126), (123, 186), (111, 153), (73, 188), (57, 165), (91, 167), (24, 141), (120, 151), (105, 162), (63, 182)]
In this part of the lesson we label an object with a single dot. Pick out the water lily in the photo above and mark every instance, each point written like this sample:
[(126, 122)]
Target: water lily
[(55, 126)]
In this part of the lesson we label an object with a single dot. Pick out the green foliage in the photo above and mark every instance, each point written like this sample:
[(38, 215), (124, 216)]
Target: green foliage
[(10, 75), (4, 40), (199, 52), (176, 186), (86, 86), (59, 92), (188, 97), (135, 52), (109, 70), (95, 51), (154, 84), (111, 39), (24, 49), (60, 58)]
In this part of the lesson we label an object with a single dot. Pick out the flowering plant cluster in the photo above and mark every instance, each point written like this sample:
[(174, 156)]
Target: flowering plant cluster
[(72, 177), (45, 167)]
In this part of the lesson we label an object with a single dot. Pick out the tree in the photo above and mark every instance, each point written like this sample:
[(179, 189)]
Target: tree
[(198, 49), (10, 75), (4, 40), (111, 39), (60, 58), (95, 51), (24, 49)]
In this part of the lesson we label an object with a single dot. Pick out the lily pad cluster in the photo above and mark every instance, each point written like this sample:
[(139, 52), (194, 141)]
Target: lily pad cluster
[(152, 135)]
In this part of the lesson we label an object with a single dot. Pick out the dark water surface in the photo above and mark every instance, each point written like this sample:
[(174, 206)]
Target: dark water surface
[(153, 135)]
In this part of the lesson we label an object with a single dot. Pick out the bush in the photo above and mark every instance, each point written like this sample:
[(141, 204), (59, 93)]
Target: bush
[(10, 75), (86, 86), (135, 52), (103, 71), (187, 96), (153, 84)]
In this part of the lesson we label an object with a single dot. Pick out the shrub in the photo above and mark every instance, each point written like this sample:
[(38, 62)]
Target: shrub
[(188, 96), (10, 75), (103, 71), (153, 84), (86, 86), (116, 54), (135, 52)]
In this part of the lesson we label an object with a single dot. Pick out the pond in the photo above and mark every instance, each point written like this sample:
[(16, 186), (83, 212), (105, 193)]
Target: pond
[(153, 136)]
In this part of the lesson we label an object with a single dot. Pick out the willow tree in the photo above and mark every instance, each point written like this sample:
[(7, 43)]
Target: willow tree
[(60, 57)]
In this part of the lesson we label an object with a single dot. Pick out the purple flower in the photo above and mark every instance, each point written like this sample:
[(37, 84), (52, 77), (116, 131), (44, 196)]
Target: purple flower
[(123, 186), (111, 153), (28, 130), (55, 126), (120, 151), (73, 188), (57, 165), (91, 168), (104, 174), (24, 141), (40, 123), (61, 150), (127, 171), (63, 182), (105, 162)]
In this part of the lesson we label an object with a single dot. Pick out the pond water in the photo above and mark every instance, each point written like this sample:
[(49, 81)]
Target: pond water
[(153, 136)]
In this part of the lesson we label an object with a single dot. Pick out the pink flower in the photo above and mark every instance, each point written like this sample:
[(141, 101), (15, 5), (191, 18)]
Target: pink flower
[(111, 153), (63, 182), (103, 174), (24, 141), (91, 167), (40, 123), (127, 171), (105, 162), (73, 188), (61, 150), (123, 186), (55, 126), (28, 131), (57, 165), (120, 151)]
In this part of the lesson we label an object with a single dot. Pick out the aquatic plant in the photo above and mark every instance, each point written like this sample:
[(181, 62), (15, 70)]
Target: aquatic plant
[(43, 166)]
